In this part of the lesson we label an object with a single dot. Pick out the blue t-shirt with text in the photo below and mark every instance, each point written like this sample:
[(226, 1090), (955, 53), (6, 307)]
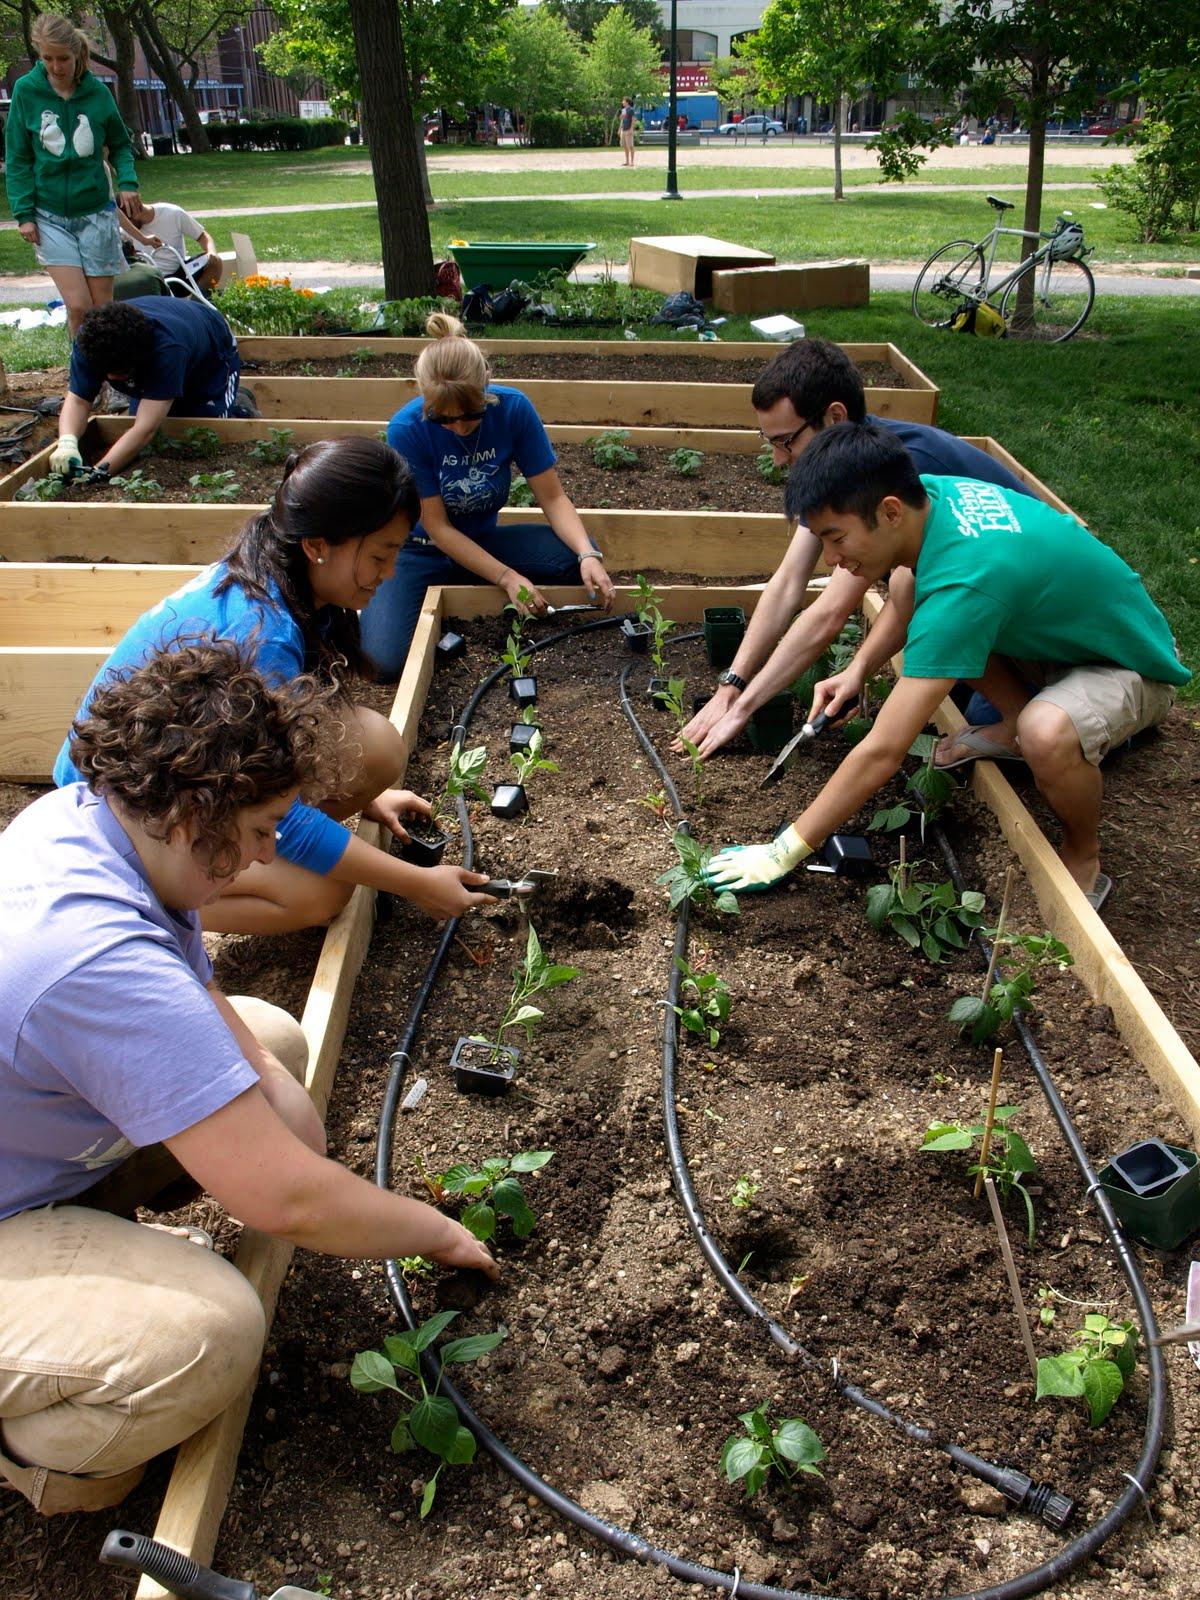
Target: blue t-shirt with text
[(194, 359), (945, 455)]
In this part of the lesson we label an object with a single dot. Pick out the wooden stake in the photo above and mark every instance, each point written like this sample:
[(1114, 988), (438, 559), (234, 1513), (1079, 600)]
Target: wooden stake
[(1014, 1283), (989, 1121), (1008, 883), (903, 881)]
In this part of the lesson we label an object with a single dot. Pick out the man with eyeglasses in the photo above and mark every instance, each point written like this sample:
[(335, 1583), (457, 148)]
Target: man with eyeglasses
[(808, 386)]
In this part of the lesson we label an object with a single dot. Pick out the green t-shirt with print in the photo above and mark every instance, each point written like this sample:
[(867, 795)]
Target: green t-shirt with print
[(1004, 573)]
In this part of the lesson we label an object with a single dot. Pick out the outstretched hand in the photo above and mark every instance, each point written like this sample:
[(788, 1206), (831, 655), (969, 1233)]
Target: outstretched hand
[(749, 868)]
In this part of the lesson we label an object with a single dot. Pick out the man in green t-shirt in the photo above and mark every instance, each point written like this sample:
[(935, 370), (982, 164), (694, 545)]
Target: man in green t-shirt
[(1000, 578)]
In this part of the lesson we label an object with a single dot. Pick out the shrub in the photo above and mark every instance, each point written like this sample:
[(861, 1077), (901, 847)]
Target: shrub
[(566, 130), (274, 133)]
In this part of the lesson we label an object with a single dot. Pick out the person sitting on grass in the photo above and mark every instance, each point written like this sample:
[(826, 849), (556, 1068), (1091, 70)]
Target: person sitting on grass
[(810, 386), (169, 228), (290, 589), (174, 358), (128, 1079), (462, 436), (1001, 579)]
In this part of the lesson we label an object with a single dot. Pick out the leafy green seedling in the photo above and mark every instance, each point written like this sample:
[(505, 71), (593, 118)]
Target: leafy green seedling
[(534, 975), (657, 802), (1094, 1369), (688, 879), (514, 655), (202, 442), (1009, 1157), (931, 787), (789, 1447), (686, 463), (610, 451), (307, 369), (414, 1267), (495, 1190), (706, 1002), (1024, 955), (929, 917), (520, 494), (464, 776), (741, 1196), (163, 445), (275, 449), (649, 613), (430, 1420), (531, 759), (363, 358), (1047, 1310), (215, 486), (767, 470), (137, 486), (52, 487)]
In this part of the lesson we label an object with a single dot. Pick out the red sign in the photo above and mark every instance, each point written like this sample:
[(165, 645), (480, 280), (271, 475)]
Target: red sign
[(688, 79)]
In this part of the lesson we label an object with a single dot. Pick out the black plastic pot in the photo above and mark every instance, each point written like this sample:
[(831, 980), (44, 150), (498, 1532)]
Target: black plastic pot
[(474, 1070), (770, 727), (509, 800), (637, 635), (1166, 1211), (426, 845), (521, 735), (699, 701), (657, 690), (724, 627), (523, 691), (450, 646), (847, 854)]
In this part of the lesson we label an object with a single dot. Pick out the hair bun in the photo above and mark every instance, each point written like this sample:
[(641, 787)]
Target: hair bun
[(441, 325)]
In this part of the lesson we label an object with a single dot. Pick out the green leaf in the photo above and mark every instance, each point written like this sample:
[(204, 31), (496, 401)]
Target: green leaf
[(432, 1328), (496, 1166), (401, 1351), (727, 903), (471, 1347), (427, 1497), (525, 1015), (972, 900), (462, 1451), (1059, 1376), (454, 1177), (907, 931), (553, 976), (477, 1183), (1125, 1353), (434, 1423), (947, 932), (1102, 1385), (1018, 1157), (796, 1441), (739, 1457), (931, 948), (955, 1139), (879, 901), (755, 1479), (966, 1010), (479, 1219), (1096, 1322), (402, 1439), (509, 1199), (371, 1372), (531, 1160)]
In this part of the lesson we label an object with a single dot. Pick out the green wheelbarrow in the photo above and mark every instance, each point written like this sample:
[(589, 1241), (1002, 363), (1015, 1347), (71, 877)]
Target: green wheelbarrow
[(495, 263)]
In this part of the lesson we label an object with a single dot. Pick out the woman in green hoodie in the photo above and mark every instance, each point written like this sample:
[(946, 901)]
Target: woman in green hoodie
[(60, 123)]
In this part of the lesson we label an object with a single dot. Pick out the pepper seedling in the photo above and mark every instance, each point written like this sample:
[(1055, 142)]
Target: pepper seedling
[(494, 1189), (1094, 1369), (688, 879), (707, 1002), (497, 1062), (1009, 1157), (430, 1420), (789, 1447), (510, 799), (741, 1196), (464, 776)]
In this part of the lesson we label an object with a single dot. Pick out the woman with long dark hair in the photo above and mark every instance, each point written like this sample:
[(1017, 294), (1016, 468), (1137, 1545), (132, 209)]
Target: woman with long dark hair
[(291, 587)]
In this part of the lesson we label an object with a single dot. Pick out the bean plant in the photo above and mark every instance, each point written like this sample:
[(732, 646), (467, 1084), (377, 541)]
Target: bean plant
[(1009, 1157), (52, 487), (1094, 1369), (429, 1420), (930, 787), (275, 449), (610, 451), (688, 879), (767, 470), (930, 917), (1024, 955), (520, 494), (686, 463), (493, 1189), (221, 486), (137, 486), (789, 1447), (706, 1002), (202, 442)]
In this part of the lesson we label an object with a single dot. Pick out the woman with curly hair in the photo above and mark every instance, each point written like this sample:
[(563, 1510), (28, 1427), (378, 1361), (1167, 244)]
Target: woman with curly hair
[(463, 435), (290, 588), (128, 1079)]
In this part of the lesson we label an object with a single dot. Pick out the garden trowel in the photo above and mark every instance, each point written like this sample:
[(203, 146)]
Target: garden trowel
[(182, 1576), (810, 730), (517, 888)]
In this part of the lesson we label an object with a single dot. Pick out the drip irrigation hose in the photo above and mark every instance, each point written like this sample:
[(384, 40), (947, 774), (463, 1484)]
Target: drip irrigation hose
[(624, 1540)]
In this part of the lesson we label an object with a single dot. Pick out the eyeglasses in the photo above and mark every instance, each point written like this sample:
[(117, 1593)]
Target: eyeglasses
[(465, 416), (783, 441)]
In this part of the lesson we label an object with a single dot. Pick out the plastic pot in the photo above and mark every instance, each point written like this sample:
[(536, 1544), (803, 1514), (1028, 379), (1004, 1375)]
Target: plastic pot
[(724, 627), (450, 646), (846, 854), (509, 800), (1166, 1212), (523, 690), (770, 727), (426, 846), (637, 635), (699, 701), (474, 1070), (521, 735), (658, 690)]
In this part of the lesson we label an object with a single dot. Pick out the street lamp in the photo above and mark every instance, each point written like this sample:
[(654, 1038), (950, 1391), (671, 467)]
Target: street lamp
[(672, 190), (246, 87)]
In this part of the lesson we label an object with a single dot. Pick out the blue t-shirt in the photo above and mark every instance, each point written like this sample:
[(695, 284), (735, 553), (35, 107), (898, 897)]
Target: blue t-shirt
[(472, 475), (306, 836), (945, 455), (109, 1039), (195, 359)]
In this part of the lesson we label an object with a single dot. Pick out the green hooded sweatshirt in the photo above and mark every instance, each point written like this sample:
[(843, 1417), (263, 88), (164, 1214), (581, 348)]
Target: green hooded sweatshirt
[(54, 148)]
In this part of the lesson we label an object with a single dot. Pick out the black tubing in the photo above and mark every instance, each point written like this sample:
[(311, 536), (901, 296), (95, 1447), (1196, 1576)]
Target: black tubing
[(624, 1540)]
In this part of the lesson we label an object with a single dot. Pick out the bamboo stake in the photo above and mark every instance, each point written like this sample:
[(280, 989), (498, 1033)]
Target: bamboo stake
[(1008, 883), (903, 876), (1014, 1283), (989, 1121)]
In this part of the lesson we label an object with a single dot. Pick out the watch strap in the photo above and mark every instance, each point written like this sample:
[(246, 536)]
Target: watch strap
[(732, 679)]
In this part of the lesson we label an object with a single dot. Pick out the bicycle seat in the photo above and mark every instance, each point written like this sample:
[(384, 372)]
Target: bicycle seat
[(1000, 205)]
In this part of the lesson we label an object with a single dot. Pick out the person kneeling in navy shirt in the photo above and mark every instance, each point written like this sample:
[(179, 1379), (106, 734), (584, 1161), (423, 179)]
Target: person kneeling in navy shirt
[(171, 357)]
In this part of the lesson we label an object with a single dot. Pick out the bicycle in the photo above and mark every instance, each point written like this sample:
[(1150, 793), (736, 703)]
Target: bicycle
[(1048, 296)]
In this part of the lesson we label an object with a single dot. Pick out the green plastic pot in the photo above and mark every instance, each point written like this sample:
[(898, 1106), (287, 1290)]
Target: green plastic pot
[(724, 628), (497, 262), (1163, 1219), (770, 727)]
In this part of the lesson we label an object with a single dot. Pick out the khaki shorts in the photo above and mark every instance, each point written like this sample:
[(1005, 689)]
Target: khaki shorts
[(1106, 705)]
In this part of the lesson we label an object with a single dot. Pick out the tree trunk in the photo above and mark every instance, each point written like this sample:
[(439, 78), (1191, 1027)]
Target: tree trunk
[(419, 136), (1034, 176), (160, 57), (395, 162), (121, 32), (838, 118)]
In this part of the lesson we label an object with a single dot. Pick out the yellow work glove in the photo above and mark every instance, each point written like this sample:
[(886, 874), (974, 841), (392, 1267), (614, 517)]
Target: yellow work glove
[(66, 458), (745, 868)]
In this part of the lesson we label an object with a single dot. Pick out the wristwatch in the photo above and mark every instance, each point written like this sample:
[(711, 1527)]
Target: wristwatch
[(591, 555), (731, 678)]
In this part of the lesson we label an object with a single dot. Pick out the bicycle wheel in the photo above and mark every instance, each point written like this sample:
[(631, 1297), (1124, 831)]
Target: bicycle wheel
[(951, 275), (1050, 301)]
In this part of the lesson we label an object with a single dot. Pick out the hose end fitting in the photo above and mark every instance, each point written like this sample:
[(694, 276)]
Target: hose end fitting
[(1054, 1508)]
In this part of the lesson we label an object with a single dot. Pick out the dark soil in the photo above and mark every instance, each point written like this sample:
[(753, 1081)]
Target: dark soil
[(625, 1365), (649, 368), (254, 481)]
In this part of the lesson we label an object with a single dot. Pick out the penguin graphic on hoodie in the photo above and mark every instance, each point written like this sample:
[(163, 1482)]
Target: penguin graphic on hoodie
[(55, 148)]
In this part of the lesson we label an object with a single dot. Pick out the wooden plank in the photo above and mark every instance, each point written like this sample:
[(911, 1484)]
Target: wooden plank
[(912, 409), (67, 604), (40, 691), (683, 602), (1101, 965)]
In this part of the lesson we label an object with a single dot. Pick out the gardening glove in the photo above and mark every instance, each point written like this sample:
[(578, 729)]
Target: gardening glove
[(90, 477), (66, 460), (747, 868)]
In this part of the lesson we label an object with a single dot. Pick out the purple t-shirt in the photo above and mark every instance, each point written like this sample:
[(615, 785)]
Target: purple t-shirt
[(109, 1039)]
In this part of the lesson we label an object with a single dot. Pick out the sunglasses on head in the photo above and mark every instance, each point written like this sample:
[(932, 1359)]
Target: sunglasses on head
[(464, 416)]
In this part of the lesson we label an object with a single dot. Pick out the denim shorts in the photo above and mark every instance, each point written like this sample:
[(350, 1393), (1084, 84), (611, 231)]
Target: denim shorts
[(92, 243)]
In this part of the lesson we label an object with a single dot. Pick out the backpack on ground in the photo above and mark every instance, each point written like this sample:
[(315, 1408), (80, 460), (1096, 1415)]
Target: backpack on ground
[(979, 318)]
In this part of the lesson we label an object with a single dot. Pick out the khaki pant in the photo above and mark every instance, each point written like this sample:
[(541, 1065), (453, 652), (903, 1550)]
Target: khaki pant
[(118, 1341)]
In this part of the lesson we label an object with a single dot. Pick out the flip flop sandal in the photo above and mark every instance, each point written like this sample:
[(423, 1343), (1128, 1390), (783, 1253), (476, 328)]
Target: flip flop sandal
[(197, 1236), (980, 748), (1097, 895)]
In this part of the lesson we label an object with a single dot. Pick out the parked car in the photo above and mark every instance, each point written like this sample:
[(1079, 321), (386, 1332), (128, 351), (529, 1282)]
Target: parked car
[(1107, 125), (753, 125)]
